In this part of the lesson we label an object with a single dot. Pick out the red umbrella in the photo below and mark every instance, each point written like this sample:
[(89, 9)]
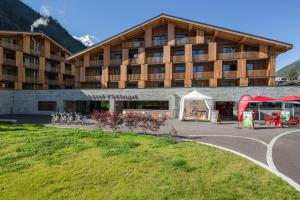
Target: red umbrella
[(262, 99), (289, 98)]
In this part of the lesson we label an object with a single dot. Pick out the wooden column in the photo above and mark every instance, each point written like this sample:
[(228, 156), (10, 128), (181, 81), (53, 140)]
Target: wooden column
[(212, 51), (199, 36), (241, 68), (263, 51), (142, 55), (123, 76), (213, 82), (47, 48), (218, 72), (26, 44), (148, 36), (188, 74), (168, 75), (62, 67), (188, 53), (144, 75), (171, 34), (104, 79), (82, 74), (271, 71), (167, 54), (106, 56), (21, 70), (73, 69), (41, 72)]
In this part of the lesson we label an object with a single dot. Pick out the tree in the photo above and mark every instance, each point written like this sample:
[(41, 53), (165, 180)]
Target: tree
[(131, 120), (292, 74)]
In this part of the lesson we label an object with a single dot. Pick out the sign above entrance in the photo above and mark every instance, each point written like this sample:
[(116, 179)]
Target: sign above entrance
[(113, 96)]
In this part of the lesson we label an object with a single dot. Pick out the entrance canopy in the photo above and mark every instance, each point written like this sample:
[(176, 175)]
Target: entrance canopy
[(195, 96)]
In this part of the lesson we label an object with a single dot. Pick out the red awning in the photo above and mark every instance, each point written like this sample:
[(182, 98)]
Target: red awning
[(289, 98), (262, 99)]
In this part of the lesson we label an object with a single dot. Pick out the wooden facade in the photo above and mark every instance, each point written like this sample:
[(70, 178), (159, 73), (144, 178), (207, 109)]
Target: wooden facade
[(30, 60), (167, 51)]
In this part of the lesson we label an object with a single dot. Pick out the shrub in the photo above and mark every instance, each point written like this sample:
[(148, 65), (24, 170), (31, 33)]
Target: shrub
[(101, 118), (115, 120), (131, 120)]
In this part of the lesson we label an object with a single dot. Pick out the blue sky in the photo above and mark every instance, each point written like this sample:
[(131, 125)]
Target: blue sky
[(274, 19)]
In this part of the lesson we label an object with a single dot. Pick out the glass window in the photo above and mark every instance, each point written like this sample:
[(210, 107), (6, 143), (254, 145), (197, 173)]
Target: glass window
[(158, 54), (199, 52), (118, 56), (179, 53), (99, 57), (250, 66), (229, 49), (179, 84), (198, 68), (179, 69), (229, 67), (179, 36), (47, 106), (159, 69), (159, 37)]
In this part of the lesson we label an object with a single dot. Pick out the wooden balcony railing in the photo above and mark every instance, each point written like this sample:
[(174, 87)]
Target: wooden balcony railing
[(10, 45), (257, 73), (9, 77), (69, 82), (37, 52), (187, 40), (31, 79), (178, 59), (78, 63), (208, 39), (96, 63), (156, 76), (133, 77), (114, 77), (158, 43), (229, 56), (31, 65), (133, 44), (51, 81), (9, 61), (116, 61), (200, 57), (56, 57), (52, 69), (203, 75), (68, 72), (155, 60), (229, 74), (250, 54), (179, 75), (94, 78), (134, 61)]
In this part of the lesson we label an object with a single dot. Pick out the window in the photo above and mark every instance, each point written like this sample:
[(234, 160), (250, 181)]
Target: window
[(180, 36), (250, 48), (118, 56), (199, 52), (147, 105), (159, 37), (179, 69), (47, 106), (179, 84), (179, 53), (229, 49), (250, 66), (229, 67), (159, 69), (198, 68), (158, 54), (133, 54), (99, 57)]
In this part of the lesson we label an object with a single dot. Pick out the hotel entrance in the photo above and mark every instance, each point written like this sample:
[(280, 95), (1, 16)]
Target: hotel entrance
[(225, 109), (85, 107)]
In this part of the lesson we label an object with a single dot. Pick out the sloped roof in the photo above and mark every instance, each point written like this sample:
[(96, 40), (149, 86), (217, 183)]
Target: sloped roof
[(196, 96), (196, 23)]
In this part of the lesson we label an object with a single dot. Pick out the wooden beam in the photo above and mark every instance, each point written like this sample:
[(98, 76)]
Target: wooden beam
[(243, 40), (216, 33), (190, 27)]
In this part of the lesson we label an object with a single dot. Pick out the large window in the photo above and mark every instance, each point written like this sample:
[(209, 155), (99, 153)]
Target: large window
[(250, 66), (159, 37), (147, 105), (229, 49), (47, 106), (179, 53), (179, 69), (229, 67), (180, 36), (158, 69), (157, 54), (199, 52), (198, 68)]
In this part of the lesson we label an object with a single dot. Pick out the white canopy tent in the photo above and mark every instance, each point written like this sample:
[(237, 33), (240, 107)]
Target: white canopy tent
[(195, 96)]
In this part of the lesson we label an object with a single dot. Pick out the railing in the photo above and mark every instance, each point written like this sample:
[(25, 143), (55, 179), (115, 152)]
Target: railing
[(9, 77), (51, 82), (69, 82), (37, 51), (180, 75), (134, 44), (158, 43), (154, 60), (9, 61), (229, 74), (134, 61), (95, 78), (10, 45), (96, 63), (52, 69), (187, 40), (31, 65), (177, 59), (133, 77), (79, 64), (204, 75), (200, 57), (116, 61), (208, 39), (31, 79), (229, 56), (68, 71), (156, 76), (114, 77), (250, 54), (55, 57), (257, 73)]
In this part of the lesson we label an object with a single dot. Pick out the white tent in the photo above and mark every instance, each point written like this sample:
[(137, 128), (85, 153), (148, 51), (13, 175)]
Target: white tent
[(194, 96)]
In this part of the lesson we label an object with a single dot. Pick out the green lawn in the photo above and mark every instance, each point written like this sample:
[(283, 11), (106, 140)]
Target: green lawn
[(38, 162)]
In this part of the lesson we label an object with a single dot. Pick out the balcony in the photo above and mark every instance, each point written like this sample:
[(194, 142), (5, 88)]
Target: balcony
[(31, 79), (250, 54), (155, 60), (96, 63), (10, 45), (116, 61), (9, 77), (159, 43), (134, 44), (230, 74), (156, 76), (78, 63), (9, 61), (68, 72), (203, 75), (178, 59), (51, 81), (52, 69), (37, 52), (229, 56), (133, 61), (187, 40), (257, 73), (200, 57), (180, 75), (69, 82), (31, 65), (114, 77), (133, 77), (208, 39), (56, 57), (94, 78)]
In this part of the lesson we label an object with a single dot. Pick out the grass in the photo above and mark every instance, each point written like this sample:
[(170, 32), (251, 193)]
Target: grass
[(39, 162)]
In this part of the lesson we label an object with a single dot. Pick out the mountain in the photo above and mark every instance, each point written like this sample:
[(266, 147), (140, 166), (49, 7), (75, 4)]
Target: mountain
[(17, 16), (87, 40), (283, 71)]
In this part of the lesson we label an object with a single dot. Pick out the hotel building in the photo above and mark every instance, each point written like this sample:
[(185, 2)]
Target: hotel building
[(30, 60)]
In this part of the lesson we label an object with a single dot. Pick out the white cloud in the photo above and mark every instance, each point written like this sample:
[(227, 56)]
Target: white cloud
[(42, 21), (45, 10)]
